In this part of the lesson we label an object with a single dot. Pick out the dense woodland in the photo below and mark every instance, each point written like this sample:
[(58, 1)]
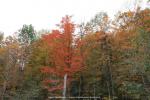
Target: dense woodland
[(101, 57)]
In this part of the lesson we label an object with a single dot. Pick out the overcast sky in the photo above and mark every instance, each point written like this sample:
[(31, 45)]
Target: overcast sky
[(44, 14)]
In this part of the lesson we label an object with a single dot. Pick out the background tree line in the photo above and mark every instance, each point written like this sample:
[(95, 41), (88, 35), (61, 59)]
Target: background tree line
[(107, 58)]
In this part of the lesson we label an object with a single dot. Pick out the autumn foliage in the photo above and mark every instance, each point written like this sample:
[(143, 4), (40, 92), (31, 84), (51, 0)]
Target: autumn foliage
[(66, 57), (103, 57)]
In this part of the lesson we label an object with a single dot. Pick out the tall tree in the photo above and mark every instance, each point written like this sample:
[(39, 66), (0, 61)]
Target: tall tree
[(100, 22), (9, 65), (66, 56), (26, 35)]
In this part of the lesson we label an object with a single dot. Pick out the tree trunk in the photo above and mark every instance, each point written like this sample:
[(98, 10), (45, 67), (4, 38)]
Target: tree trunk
[(64, 89), (108, 90)]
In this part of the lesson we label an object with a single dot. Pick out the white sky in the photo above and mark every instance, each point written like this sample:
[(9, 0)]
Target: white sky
[(45, 14)]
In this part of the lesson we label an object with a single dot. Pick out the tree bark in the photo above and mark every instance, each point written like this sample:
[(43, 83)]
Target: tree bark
[(65, 86)]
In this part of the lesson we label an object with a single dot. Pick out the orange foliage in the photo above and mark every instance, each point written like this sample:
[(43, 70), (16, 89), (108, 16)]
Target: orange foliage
[(66, 56)]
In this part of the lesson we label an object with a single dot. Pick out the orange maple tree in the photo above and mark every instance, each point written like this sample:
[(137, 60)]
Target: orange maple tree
[(65, 54)]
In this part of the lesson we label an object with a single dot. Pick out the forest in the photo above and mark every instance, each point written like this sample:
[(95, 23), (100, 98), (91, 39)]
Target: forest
[(100, 58)]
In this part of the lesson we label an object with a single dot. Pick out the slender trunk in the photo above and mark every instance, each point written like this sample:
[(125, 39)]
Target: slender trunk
[(65, 83)]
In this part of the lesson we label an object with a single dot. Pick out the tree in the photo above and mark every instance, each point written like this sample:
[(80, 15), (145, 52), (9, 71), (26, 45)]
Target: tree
[(9, 64), (99, 53), (141, 43), (31, 84), (66, 55), (100, 22), (129, 43), (26, 35)]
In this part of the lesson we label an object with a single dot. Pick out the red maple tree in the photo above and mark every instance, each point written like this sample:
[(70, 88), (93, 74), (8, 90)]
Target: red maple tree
[(66, 55)]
